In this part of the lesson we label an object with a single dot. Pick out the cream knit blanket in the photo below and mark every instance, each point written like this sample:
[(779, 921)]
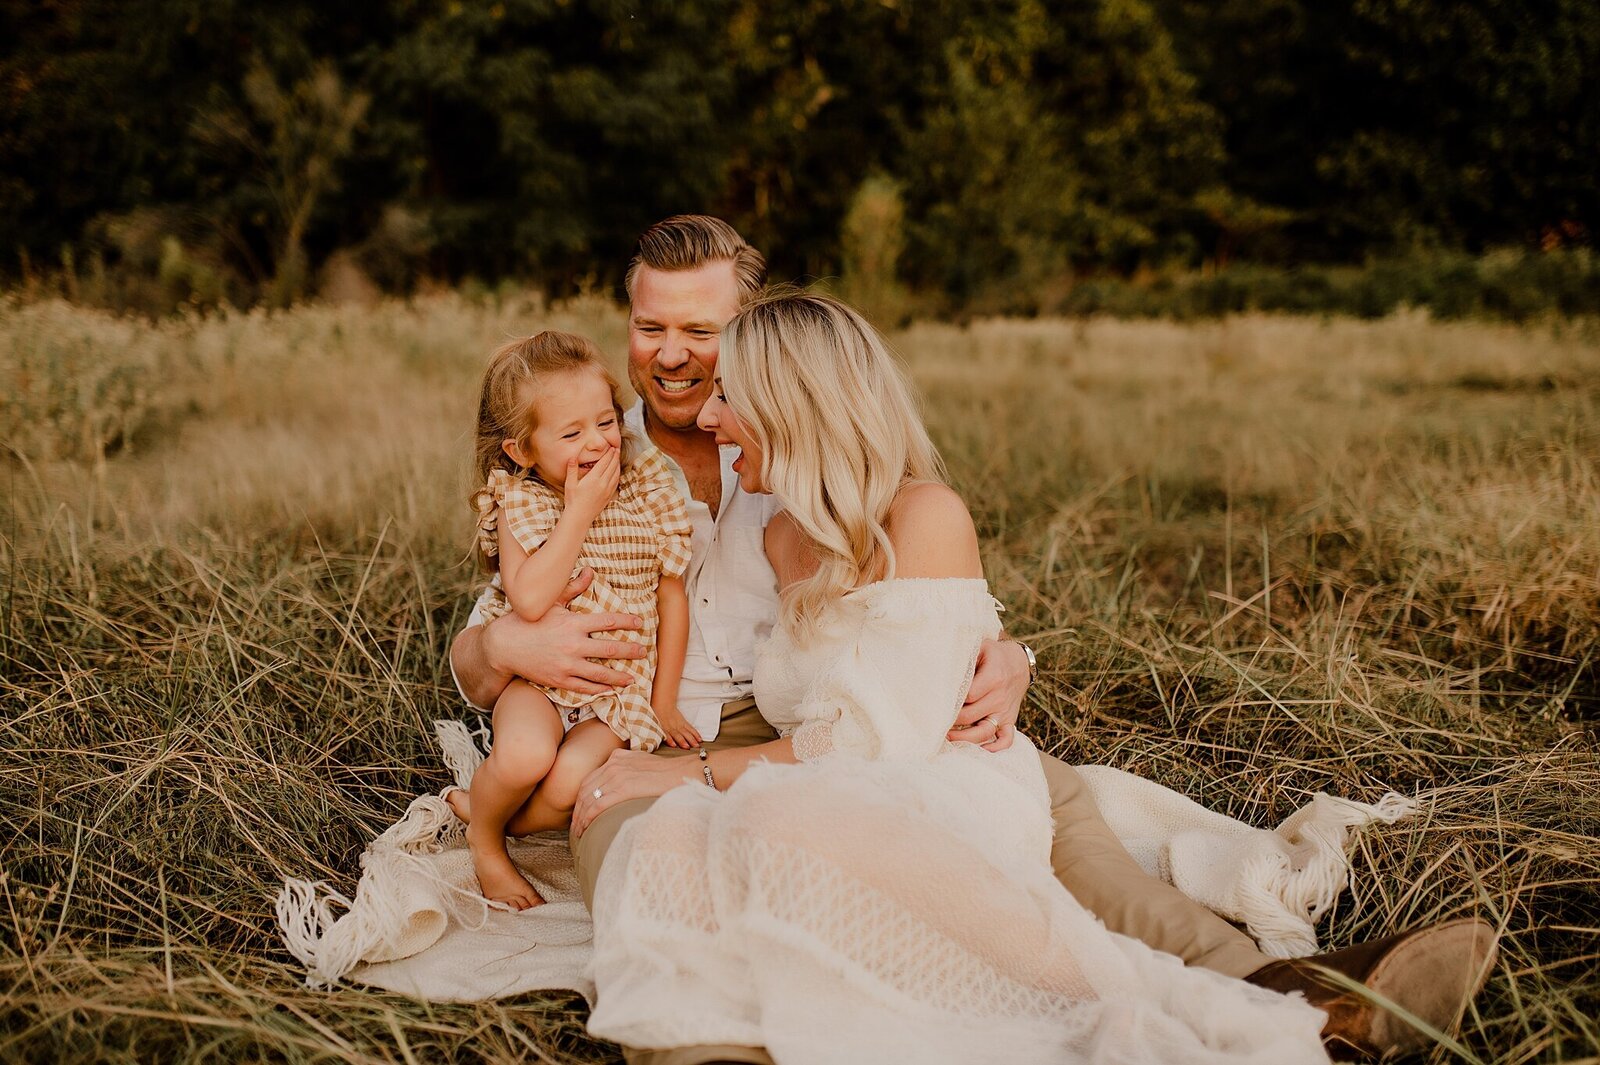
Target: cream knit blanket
[(418, 925)]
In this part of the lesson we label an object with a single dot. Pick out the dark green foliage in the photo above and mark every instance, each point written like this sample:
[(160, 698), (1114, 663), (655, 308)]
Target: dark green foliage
[(1513, 286), (1391, 126), (1035, 142), (1063, 135)]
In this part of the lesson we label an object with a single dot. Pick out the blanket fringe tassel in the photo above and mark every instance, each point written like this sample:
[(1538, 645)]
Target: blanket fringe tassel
[(330, 943), (1281, 901)]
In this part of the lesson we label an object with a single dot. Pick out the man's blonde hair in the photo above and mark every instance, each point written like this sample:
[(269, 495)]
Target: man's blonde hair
[(839, 432), (690, 241)]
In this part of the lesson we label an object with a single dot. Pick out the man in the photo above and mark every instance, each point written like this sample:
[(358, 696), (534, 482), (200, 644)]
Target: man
[(689, 277)]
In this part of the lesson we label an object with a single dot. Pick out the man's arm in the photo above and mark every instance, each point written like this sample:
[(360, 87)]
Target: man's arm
[(478, 681), (557, 651)]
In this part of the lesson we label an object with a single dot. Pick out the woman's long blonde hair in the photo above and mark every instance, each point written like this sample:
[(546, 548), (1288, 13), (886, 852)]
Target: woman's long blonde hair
[(839, 432)]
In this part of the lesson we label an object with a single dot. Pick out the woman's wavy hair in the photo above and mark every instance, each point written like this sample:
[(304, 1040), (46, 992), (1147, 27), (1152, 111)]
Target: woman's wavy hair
[(506, 399), (839, 432)]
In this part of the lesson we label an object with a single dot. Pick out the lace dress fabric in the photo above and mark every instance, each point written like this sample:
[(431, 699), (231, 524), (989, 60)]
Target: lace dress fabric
[(890, 898), (641, 535)]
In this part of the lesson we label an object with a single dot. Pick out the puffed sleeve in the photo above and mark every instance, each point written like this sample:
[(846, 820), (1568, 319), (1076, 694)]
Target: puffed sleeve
[(486, 501), (529, 509), (665, 504), (896, 688)]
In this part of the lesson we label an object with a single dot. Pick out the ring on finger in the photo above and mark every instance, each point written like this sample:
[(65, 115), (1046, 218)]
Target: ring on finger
[(596, 793)]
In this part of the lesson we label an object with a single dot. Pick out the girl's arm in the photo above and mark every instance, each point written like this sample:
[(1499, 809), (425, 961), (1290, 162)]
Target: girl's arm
[(672, 641), (533, 583)]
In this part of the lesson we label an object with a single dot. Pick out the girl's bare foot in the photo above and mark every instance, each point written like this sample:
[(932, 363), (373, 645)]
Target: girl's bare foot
[(460, 802), (500, 881)]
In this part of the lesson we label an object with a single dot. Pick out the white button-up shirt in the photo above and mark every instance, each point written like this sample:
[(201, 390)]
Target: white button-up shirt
[(733, 593)]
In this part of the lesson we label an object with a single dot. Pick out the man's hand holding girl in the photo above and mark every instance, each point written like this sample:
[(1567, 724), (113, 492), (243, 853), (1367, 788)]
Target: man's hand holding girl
[(560, 650)]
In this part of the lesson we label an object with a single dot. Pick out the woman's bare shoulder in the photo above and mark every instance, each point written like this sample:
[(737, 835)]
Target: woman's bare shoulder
[(787, 550), (932, 533)]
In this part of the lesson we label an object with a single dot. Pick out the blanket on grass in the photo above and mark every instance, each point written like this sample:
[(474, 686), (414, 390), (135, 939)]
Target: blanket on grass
[(418, 925)]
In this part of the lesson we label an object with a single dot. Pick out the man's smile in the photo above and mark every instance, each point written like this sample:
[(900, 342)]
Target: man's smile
[(674, 387)]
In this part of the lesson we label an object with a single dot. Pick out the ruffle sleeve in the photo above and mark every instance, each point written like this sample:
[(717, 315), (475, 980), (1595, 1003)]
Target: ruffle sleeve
[(665, 504), (896, 688), (529, 509)]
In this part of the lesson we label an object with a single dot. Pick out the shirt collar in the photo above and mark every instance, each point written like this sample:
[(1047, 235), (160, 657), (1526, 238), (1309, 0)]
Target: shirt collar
[(633, 419)]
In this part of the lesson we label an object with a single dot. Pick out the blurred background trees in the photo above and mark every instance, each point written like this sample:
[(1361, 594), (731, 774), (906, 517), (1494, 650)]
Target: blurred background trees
[(1021, 152)]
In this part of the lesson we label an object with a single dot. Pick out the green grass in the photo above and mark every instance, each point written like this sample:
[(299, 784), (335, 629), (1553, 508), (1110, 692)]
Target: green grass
[(1260, 557)]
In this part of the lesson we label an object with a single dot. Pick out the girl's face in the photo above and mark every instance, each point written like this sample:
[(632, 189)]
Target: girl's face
[(718, 418), (574, 419)]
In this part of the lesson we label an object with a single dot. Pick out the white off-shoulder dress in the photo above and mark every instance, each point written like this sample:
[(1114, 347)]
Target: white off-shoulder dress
[(891, 898)]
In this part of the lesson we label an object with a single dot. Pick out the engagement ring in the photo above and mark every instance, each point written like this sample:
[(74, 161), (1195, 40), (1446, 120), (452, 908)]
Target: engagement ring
[(597, 793)]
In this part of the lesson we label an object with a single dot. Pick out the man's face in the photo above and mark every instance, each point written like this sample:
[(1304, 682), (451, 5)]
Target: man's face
[(674, 326)]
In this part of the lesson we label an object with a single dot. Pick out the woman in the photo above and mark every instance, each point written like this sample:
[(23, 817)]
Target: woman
[(886, 895)]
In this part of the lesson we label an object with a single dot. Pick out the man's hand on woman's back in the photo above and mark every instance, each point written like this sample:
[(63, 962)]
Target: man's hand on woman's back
[(994, 700)]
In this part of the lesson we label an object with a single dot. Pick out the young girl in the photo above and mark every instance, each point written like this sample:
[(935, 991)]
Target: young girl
[(563, 488)]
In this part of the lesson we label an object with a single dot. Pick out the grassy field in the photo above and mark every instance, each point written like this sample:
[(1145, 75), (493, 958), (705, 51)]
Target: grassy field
[(1260, 558)]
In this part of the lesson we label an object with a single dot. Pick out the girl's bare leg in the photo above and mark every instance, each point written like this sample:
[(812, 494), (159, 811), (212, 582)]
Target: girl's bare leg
[(527, 734), (587, 746)]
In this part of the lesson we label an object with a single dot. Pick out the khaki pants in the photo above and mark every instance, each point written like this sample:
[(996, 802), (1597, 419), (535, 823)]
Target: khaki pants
[(1086, 857)]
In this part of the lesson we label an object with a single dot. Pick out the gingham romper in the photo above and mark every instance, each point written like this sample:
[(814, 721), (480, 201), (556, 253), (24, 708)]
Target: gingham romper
[(641, 535)]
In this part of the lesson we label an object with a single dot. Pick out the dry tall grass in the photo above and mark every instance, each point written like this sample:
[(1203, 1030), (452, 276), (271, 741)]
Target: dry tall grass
[(1260, 557)]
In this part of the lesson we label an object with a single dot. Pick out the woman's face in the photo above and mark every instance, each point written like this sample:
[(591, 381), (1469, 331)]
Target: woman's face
[(717, 418)]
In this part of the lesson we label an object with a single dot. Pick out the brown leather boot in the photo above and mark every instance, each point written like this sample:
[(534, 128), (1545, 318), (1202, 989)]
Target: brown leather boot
[(1430, 972)]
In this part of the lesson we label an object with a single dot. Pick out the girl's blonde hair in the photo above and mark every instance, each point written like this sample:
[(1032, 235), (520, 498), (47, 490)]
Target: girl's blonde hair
[(510, 385), (839, 432)]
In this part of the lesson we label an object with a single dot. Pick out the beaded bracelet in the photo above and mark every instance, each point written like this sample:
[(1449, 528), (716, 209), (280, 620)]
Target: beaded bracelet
[(705, 769)]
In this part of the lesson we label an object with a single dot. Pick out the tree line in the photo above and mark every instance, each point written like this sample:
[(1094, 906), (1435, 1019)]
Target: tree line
[(979, 153)]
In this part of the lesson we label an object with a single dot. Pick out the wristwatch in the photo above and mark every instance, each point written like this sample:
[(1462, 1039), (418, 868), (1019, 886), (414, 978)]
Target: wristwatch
[(1033, 660)]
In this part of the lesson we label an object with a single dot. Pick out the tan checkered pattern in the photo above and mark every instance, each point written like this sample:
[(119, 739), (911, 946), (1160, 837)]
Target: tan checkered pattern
[(643, 533)]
